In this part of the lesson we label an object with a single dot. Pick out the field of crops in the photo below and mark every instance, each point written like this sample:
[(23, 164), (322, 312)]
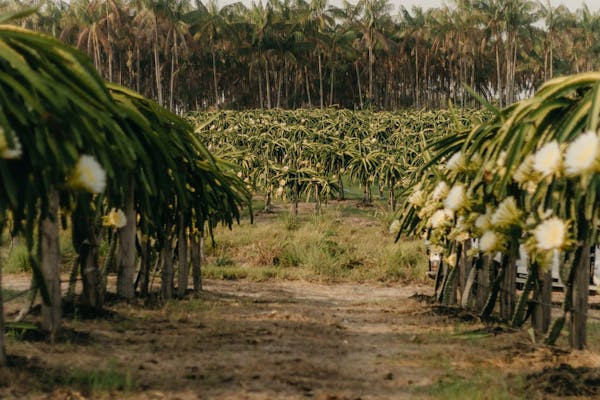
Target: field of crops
[(309, 154)]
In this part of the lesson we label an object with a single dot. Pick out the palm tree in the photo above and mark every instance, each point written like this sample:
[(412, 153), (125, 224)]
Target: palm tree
[(155, 16), (375, 12), (317, 20), (211, 23), (519, 18), (86, 25), (338, 40), (260, 23), (414, 30), (285, 52), (588, 34)]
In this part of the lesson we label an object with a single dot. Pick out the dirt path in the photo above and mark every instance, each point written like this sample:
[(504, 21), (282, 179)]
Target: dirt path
[(280, 340)]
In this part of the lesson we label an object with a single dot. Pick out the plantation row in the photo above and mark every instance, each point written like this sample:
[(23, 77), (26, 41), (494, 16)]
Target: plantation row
[(108, 164), (525, 185), (309, 154)]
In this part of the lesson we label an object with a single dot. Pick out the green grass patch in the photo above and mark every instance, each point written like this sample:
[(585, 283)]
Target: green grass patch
[(104, 379), (257, 274), (483, 385), (7, 294), (229, 273), (17, 259), (337, 246), (593, 335)]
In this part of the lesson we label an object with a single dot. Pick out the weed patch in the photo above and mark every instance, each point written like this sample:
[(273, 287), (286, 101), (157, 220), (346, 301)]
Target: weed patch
[(337, 246), (105, 379)]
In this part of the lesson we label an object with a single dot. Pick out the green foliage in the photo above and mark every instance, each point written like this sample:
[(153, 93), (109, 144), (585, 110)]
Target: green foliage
[(190, 183)]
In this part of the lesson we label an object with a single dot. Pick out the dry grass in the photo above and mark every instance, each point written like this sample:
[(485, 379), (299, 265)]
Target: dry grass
[(343, 244)]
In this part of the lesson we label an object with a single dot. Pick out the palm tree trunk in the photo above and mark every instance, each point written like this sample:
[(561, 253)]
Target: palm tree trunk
[(417, 100), (331, 85), (426, 80), (157, 68), (498, 73), (97, 55), (50, 264), (513, 74), (138, 70), (360, 97), (286, 85), (371, 62), (320, 79), (473, 71), (279, 84), (387, 90), (267, 83), (110, 50), (120, 81), (159, 94), (260, 87), (551, 62), (545, 66), (214, 68), (173, 72), (508, 58), (307, 86)]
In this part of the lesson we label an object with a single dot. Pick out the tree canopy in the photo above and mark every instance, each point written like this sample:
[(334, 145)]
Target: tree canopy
[(290, 54)]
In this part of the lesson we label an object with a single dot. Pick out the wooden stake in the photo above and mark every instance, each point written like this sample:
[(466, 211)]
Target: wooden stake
[(50, 265), (581, 287)]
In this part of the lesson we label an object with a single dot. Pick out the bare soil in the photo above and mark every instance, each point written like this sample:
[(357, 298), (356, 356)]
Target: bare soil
[(286, 340)]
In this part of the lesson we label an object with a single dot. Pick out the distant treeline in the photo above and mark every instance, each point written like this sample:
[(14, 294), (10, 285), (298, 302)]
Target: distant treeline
[(291, 54)]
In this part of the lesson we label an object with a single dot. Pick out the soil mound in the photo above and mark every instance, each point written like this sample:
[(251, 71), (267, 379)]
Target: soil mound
[(565, 380)]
